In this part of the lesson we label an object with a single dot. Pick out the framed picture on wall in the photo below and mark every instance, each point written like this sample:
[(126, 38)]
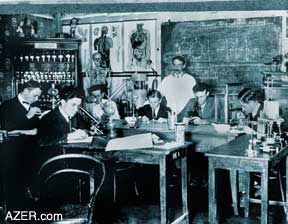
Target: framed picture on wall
[(82, 32), (139, 45), (107, 42)]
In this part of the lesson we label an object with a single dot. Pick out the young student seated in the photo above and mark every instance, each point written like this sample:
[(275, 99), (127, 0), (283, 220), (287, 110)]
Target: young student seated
[(201, 110), (155, 109), (55, 127), (251, 101)]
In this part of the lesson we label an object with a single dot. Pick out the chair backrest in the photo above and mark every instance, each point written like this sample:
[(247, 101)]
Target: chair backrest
[(78, 165)]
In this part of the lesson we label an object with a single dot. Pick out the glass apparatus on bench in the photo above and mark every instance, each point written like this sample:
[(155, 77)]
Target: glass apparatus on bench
[(269, 129), (134, 92)]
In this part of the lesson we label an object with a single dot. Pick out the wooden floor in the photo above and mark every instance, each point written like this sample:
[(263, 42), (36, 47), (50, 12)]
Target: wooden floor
[(146, 211), (144, 208)]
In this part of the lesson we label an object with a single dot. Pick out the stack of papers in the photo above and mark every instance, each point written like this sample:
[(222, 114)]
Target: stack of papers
[(83, 140), (131, 142)]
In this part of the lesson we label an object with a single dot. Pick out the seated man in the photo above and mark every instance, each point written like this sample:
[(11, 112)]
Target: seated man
[(155, 109), (202, 109), (97, 106), (55, 127)]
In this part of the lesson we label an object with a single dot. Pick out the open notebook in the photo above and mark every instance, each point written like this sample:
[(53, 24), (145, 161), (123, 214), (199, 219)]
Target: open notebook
[(131, 142), (89, 139)]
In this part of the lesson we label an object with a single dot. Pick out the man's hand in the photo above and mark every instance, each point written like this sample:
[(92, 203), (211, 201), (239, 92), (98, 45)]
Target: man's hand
[(199, 121), (145, 119), (33, 111), (162, 120), (186, 120)]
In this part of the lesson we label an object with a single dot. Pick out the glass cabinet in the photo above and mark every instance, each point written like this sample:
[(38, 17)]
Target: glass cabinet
[(51, 62)]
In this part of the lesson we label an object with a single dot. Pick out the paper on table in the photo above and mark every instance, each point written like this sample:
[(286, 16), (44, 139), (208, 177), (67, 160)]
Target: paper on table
[(169, 145), (22, 132), (131, 142), (83, 140)]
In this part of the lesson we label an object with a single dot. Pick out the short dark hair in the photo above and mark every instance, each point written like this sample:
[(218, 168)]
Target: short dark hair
[(199, 87), (69, 92), (101, 87), (249, 94), (154, 93), (31, 84), (179, 58)]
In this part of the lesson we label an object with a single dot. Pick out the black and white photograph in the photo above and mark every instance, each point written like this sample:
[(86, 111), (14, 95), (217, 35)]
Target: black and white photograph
[(143, 111)]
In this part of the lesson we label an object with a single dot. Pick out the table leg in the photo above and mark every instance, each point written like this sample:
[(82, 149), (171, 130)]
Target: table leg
[(184, 186), (212, 193), (264, 196), (286, 188), (247, 194), (163, 195), (234, 190)]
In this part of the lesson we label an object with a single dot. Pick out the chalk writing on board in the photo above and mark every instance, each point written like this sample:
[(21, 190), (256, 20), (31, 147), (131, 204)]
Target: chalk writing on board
[(220, 51)]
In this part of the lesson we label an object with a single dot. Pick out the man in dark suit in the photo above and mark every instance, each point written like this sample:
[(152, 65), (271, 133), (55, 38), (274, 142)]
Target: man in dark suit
[(18, 115), (201, 110), (155, 110), (56, 126)]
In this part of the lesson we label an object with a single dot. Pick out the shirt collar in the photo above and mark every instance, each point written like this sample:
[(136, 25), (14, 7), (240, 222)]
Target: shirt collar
[(255, 111), (156, 110), (25, 104), (64, 114), (179, 75)]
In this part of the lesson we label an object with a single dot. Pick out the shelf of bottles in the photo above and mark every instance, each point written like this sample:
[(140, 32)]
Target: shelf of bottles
[(52, 63)]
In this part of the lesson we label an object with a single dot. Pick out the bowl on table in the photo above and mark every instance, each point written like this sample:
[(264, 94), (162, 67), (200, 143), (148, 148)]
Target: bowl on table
[(221, 128), (131, 121)]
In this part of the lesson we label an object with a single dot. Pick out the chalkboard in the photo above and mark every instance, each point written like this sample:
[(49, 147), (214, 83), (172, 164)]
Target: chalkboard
[(222, 51)]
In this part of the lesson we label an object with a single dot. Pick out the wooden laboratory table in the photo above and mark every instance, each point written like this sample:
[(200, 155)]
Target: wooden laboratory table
[(156, 156), (232, 156), (205, 137)]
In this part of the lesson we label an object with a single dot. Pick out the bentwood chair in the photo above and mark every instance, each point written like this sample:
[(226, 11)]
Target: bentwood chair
[(63, 179)]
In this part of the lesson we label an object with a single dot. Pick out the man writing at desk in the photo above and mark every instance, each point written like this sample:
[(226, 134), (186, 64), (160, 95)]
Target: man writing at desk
[(201, 110), (155, 110), (56, 126)]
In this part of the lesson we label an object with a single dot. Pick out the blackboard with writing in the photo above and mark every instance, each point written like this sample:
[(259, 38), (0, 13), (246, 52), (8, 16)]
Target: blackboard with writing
[(223, 51)]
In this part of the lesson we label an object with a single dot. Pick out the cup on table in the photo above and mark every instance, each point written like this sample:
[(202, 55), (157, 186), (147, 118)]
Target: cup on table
[(180, 132)]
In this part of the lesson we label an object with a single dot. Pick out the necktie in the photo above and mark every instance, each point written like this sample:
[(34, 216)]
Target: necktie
[(70, 125), (153, 115)]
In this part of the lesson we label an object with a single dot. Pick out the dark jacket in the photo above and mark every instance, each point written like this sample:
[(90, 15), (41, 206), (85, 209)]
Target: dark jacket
[(146, 110), (193, 109), (13, 116), (53, 129)]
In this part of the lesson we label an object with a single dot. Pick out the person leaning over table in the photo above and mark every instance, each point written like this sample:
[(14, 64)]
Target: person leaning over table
[(96, 104), (155, 110), (20, 117), (176, 87), (56, 126), (201, 109), (251, 101)]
